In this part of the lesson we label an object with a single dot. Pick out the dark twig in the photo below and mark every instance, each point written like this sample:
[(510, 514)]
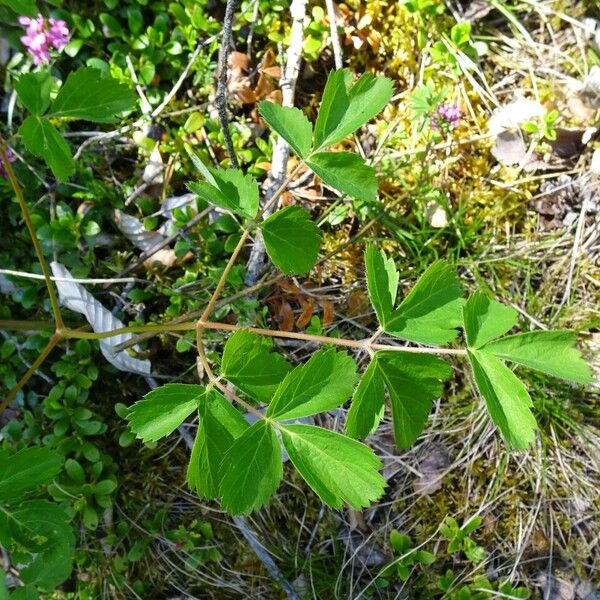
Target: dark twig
[(222, 70)]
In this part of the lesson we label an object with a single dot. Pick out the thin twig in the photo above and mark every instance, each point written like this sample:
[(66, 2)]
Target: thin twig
[(30, 372), (335, 40), (222, 71), (279, 160)]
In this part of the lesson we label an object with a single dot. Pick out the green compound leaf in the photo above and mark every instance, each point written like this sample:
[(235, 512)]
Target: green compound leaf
[(229, 189), (220, 424), (382, 282), (26, 470), (507, 399), (250, 363), (164, 409), (344, 109), (292, 240), (41, 139), (486, 319), (88, 94), (41, 528), (413, 382), (432, 310), (252, 470), (325, 382), (346, 172), (337, 468), (552, 352), (33, 90), (291, 124)]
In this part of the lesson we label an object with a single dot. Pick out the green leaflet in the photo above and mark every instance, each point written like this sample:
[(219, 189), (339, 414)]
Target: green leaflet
[(507, 399), (33, 90), (43, 529), (366, 410), (551, 352), (346, 172), (163, 409), (220, 424), (344, 109), (334, 105), (41, 139), (382, 282), (413, 382), (325, 382), (292, 240), (337, 468), (229, 189), (432, 310), (26, 470), (252, 470), (252, 365), (486, 319), (88, 94), (291, 124)]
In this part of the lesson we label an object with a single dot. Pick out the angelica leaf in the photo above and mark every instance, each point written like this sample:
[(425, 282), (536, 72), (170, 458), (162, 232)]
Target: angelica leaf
[(229, 189), (291, 124), (382, 282), (552, 352), (345, 108), (486, 319), (413, 382), (252, 365), (346, 172), (164, 409), (220, 424), (366, 409), (323, 383), (339, 469), (292, 240), (432, 310), (251, 470), (507, 400)]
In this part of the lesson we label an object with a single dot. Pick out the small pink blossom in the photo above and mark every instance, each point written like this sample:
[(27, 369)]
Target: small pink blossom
[(446, 117), (11, 158), (39, 38)]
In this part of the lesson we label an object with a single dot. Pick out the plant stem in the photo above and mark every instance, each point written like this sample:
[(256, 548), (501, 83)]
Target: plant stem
[(364, 344), (240, 245), (31, 371), (32, 232)]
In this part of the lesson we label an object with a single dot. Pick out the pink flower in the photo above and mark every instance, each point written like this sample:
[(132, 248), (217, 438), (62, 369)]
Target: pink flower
[(39, 38), (446, 117), (11, 158)]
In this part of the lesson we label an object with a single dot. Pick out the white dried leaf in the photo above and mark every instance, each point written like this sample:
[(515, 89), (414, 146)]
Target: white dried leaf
[(153, 173), (133, 230), (436, 215), (595, 166), (590, 92), (509, 148), (514, 114), (76, 298)]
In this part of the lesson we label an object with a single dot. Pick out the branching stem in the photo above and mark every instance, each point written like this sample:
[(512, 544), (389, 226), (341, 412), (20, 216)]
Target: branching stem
[(33, 234)]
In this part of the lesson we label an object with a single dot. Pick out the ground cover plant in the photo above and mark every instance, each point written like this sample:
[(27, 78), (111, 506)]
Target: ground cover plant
[(348, 270)]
